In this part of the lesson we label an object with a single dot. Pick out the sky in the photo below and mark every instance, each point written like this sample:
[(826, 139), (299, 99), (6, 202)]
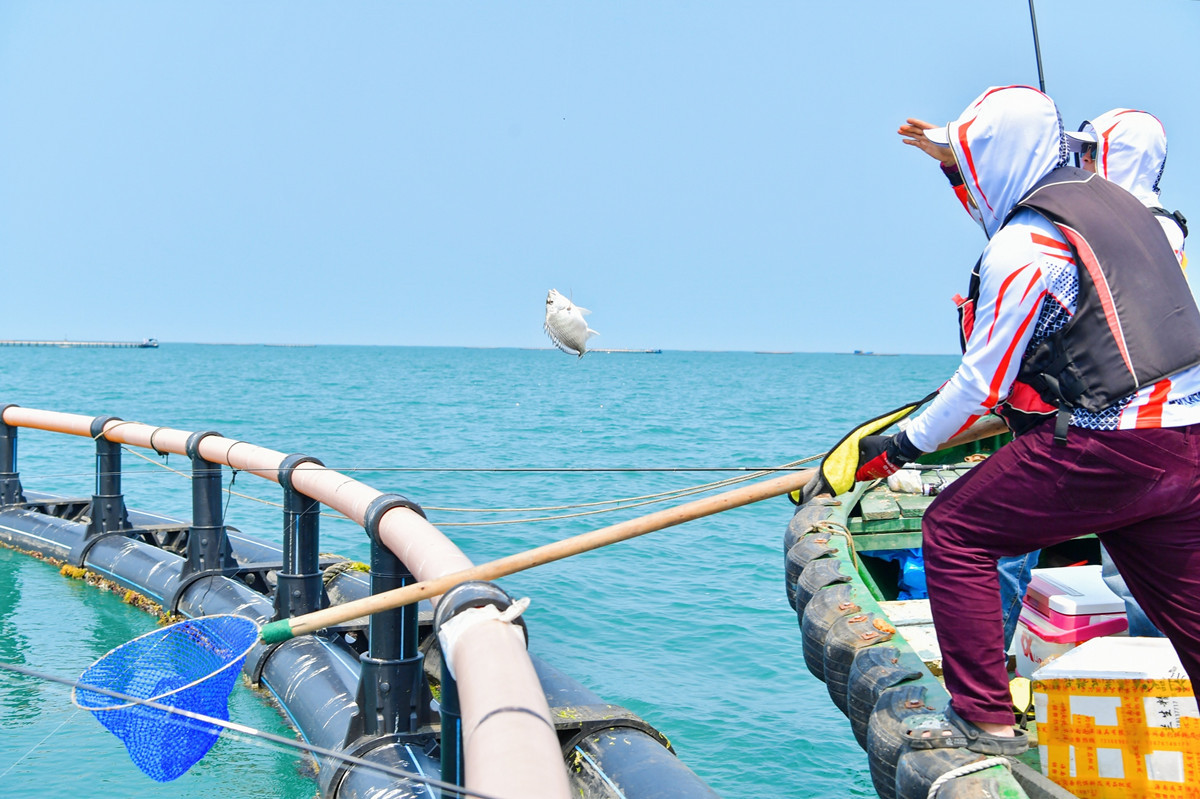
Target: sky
[(700, 175)]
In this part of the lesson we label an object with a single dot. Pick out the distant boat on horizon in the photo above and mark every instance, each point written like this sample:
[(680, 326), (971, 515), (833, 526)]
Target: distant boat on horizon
[(609, 349)]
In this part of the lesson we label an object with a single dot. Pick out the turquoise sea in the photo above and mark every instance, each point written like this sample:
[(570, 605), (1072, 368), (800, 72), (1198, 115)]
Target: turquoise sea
[(689, 627)]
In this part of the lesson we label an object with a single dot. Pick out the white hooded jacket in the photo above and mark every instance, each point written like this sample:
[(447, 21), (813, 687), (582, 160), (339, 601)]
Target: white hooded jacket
[(1007, 140), (1131, 151)]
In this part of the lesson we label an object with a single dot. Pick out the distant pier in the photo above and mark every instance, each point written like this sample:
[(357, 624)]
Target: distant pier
[(148, 343)]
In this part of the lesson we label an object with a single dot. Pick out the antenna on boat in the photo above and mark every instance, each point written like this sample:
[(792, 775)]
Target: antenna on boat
[(1037, 50)]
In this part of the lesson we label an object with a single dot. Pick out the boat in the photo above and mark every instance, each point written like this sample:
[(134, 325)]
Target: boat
[(376, 701), (877, 652)]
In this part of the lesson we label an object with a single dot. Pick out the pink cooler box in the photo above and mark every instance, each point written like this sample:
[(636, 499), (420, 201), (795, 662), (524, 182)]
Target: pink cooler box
[(1062, 609)]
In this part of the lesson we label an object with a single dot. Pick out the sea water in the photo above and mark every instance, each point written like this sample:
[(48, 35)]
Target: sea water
[(506, 449)]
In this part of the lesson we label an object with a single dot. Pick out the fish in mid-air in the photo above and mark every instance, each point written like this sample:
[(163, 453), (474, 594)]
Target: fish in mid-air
[(565, 324)]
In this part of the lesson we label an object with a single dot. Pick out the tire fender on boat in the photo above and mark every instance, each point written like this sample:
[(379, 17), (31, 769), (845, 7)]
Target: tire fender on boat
[(818, 574), (804, 551), (826, 606), (885, 734), (919, 768), (874, 671), (847, 637)]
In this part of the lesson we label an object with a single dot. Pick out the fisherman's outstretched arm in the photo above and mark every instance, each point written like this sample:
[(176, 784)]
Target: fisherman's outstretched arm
[(1013, 284)]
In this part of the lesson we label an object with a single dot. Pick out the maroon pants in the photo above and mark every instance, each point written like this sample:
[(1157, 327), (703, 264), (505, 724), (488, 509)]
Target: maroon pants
[(1138, 490)]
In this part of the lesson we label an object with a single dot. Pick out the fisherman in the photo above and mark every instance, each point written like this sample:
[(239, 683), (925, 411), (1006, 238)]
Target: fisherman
[(1134, 156), (1080, 330), (1129, 147), (1016, 572)]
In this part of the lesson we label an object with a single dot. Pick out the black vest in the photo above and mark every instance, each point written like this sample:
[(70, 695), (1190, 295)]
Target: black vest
[(1135, 320)]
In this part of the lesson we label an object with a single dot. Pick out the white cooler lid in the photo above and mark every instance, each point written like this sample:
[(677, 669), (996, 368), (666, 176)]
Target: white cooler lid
[(1076, 591)]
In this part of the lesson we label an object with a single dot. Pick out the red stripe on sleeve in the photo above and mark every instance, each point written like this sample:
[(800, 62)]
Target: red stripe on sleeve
[(970, 421), (998, 378), (1000, 299), (1037, 274), (960, 191), (1046, 241)]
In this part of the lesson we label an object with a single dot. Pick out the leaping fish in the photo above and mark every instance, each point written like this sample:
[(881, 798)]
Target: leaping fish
[(565, 324)]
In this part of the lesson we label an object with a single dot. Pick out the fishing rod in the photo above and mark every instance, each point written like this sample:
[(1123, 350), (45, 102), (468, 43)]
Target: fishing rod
[(253, 736), (1037, 50)]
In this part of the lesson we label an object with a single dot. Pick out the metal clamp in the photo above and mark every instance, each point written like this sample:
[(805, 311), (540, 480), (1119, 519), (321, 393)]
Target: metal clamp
[(381, 505), (288, 464)]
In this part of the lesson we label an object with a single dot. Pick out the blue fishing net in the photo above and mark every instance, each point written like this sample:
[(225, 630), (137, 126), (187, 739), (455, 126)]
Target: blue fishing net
[(193, 666)]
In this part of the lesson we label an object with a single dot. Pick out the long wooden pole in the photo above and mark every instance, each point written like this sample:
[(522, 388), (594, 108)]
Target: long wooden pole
[(285, 629)]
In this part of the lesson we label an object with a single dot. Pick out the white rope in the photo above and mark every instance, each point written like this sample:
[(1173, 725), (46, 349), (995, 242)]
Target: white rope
[(35, 747), (626, 503), (962, 771)]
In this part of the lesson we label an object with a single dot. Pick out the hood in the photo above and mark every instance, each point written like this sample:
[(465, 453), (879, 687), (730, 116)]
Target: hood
[(1131, 151), (1007, 140)]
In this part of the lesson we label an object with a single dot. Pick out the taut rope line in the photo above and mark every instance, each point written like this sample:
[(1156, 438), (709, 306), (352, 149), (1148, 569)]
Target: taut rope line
[(251, 735), (618, 504)]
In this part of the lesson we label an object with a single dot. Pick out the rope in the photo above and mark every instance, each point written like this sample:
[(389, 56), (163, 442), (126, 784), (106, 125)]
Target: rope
[(251, 735), (233, 473), (619, 504), (156, 449), (153, 462), (105, 428), (837, 528), (962, 771), (664, 494), (38, 745), (652, 501), (342, 566)]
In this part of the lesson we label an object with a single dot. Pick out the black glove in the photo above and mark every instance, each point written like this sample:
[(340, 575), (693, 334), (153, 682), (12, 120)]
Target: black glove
[(879, 456)]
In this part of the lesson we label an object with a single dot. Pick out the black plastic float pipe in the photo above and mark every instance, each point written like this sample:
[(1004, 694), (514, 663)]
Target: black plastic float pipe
[(10, 481), (392, 688), (299, 588), (108, 512)]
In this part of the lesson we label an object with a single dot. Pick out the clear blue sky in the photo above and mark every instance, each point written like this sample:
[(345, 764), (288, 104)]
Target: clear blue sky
[(701, 175)]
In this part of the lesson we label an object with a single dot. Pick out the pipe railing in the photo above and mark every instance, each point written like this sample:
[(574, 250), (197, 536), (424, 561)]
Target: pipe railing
[(505, 717)]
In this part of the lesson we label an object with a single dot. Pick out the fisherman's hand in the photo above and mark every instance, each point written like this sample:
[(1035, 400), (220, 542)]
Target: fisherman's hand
[(913, 132), (879, 456)]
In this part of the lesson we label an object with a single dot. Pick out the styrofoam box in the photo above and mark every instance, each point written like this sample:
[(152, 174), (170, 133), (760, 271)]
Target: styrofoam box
[(1117, 717)]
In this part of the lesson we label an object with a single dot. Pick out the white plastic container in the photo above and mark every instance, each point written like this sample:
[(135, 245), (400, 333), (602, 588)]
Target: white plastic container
[(1062, 609), (1072, 591), (1116, 717)]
